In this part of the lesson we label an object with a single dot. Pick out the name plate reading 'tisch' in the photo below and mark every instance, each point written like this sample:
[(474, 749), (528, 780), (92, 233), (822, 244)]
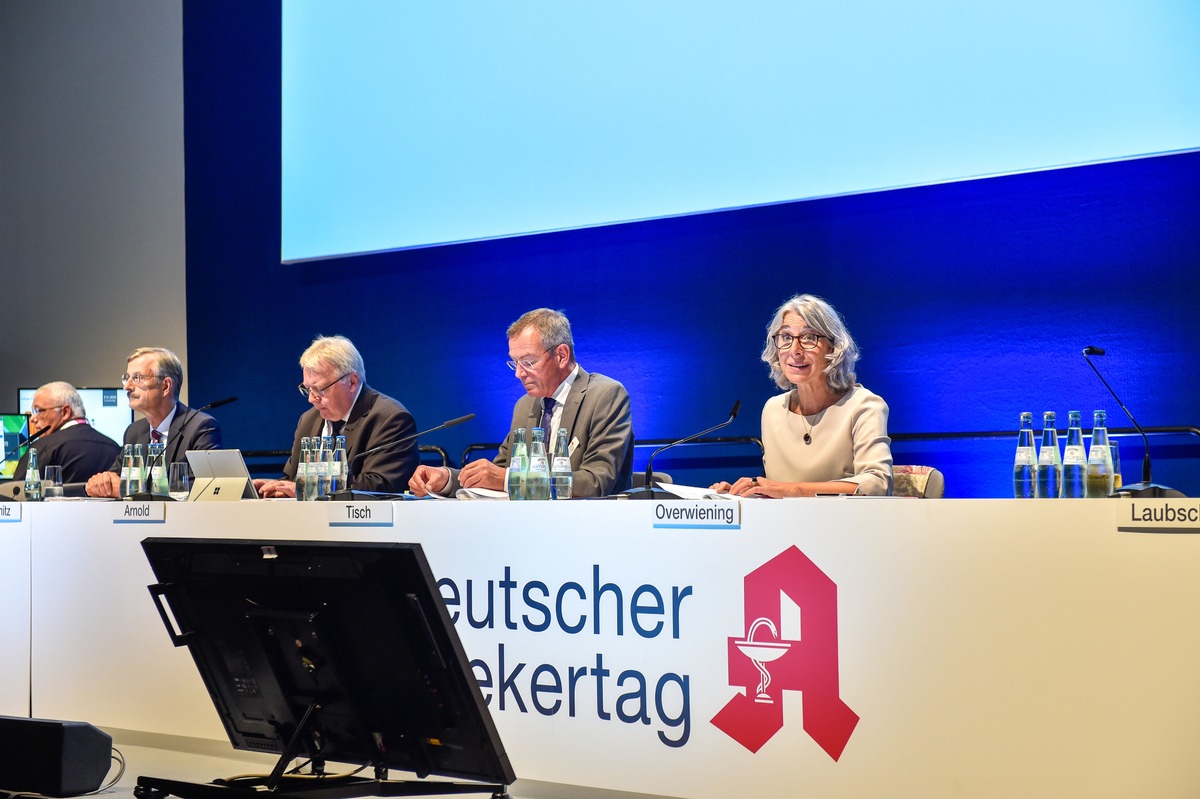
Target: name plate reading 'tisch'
[(359, 514)]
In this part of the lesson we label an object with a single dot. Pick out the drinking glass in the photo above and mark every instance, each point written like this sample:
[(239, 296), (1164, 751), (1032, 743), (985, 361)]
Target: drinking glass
[(52, 484), (1116, 459), (178, 482)]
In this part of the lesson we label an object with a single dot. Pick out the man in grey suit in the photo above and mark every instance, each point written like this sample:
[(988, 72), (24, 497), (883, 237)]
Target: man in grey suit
[(343, 404), (593, 408)]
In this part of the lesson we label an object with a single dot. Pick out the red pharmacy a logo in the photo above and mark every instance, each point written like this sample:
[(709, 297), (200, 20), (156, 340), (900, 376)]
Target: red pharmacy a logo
[(766, 665)]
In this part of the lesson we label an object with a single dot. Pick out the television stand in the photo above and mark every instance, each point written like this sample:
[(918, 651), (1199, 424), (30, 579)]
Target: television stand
[(309, 787), (316, 785)]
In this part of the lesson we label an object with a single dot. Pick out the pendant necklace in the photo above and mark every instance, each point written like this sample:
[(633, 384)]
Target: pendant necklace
[(804, 421)]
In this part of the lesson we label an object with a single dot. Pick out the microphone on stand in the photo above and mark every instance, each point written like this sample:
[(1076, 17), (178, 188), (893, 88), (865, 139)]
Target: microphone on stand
[(193, 411), (28, 440), (187, 418), (1146, 488), (146, 494), (648, 491), (357, 461), (216, 404)]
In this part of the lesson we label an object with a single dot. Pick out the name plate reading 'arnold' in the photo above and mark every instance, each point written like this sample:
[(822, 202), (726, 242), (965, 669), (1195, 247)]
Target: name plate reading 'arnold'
[(359, 514), (139, 512)]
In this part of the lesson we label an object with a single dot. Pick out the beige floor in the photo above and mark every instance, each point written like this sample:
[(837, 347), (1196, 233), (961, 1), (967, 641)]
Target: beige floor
[(195, 760)]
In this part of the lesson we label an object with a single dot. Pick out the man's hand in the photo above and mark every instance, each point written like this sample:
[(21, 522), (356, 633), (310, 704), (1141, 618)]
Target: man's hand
[(429, 480), (482, 474), (275, 488), (105, 484)]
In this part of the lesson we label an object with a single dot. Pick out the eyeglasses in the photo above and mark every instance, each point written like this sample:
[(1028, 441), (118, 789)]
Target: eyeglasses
[(36, 411), (137, 377), (527, 363), (808, 341), (320, 392)]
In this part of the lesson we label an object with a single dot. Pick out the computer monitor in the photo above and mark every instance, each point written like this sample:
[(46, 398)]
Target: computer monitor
[(107, 409), (16, 430), (337, 652)]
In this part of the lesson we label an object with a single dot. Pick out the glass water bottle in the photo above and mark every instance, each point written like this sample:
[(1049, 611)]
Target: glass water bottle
[(537, 479), (518, 465), (33, 478), (1050, 468), (339, 478), (1025, 464), (1074, 459), (1099, 464), (562, 482)]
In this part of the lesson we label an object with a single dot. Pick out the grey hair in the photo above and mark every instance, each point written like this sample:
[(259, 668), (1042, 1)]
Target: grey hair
[(823, 318), (553, 328), (166, 364), (338, 352), (62, 393)]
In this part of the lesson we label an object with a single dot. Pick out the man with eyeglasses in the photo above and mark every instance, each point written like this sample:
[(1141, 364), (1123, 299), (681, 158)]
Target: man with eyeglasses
[(152, 380), (64, 437), (558, 393), (343, 404)]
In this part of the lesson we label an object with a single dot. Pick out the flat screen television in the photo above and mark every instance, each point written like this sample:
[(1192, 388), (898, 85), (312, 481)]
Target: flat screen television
[(16, 430), (107, 409), (337, 652)]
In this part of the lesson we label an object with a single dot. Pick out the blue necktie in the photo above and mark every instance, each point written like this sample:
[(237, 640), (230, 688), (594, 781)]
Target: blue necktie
[(547, 419)]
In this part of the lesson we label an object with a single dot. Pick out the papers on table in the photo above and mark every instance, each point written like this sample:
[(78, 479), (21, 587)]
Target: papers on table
[(694, 492), (480, 493)]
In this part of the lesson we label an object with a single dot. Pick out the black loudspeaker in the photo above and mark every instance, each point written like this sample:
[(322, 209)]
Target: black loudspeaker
[(54, 758)]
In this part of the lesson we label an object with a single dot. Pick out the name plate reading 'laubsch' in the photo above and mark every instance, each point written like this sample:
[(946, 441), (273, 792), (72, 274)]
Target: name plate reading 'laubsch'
[(1178, 515)]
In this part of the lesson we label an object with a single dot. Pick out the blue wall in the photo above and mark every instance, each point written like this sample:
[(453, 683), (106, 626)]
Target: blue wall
[(970, 301)]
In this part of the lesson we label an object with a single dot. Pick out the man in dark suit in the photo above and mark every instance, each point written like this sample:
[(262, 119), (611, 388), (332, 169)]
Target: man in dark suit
[(65, 438), (593, 408), (152, 380), (343, 404)]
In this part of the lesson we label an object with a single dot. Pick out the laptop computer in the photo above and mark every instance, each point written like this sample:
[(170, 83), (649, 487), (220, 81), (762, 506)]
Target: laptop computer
[(219, 475)]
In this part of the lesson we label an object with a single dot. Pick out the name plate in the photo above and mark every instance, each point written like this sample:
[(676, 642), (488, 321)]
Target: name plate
[(139, 512), (712, 515), (359, 514), (10, 512), (1179, 515)]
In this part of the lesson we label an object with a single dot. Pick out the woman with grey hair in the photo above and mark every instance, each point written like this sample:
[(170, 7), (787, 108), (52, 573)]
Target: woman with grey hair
[(825, 434)]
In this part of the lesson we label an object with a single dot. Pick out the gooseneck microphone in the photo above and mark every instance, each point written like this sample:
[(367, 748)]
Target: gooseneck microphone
[(28, 440), (648, 490), (357, 461), (187, 418), (216, 404), (193, 411), (1146, 488), (362, 456)]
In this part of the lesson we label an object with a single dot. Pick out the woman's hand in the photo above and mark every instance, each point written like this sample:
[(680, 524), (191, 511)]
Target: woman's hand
[(758, 487)]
